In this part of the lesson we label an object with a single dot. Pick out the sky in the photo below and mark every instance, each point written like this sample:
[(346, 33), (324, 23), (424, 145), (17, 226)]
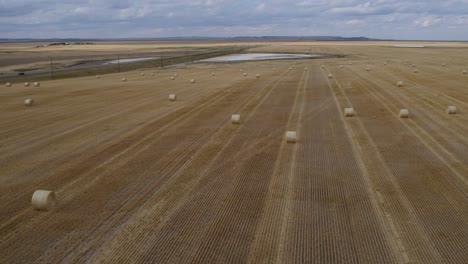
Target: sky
[(383, 19)]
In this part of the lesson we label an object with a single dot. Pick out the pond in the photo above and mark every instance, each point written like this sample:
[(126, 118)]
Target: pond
[(129, 60), (261, 56)]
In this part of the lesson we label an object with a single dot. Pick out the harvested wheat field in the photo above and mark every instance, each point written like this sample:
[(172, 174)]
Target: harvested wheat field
[(140, 178)]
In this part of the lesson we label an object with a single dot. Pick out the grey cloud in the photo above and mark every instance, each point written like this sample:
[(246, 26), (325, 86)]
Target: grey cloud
[(99, 18)]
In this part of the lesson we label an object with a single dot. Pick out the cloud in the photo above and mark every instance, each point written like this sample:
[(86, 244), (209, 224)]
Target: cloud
[(427, 21), (164, 18), (361, 9), (260, 7), (354, 22)]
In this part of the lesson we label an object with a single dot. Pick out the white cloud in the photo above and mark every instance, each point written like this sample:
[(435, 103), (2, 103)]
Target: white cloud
[(260, 7), (354, 22), (427, 21)]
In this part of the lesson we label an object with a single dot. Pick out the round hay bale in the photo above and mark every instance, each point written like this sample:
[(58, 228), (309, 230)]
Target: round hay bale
[(124, 79), (176, 74), (192, 81), (330, 75), (257, 76), (404, 113), (28, 102), (305, 68), (341, 67), (399, 84), (415, 71), (349, 112), (235, 119), (172, 97), (443, 64), (464, 72), (172, 78), (26, 84), (350, 63), (274, 69), (241, 70), (414, 65), (142, 74), (367, 69), (323, 66), (291, 136), (152, 74), (8, 84), (385, 63), (212, 74), (290, 68), (98, 76), (451, 110), (37, 84), (43, 200), (245, 74)]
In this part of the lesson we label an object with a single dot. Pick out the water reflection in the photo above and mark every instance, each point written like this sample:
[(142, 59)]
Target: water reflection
[(260, 56)]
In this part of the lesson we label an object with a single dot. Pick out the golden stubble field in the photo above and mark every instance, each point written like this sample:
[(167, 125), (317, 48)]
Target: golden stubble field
[(141, 179)]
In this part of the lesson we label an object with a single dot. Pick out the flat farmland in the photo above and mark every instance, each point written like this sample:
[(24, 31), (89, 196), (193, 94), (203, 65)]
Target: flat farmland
[(31, 57), (141, 179)]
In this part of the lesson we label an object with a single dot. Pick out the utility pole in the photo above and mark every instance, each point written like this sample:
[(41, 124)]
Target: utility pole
[(51, 68)]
